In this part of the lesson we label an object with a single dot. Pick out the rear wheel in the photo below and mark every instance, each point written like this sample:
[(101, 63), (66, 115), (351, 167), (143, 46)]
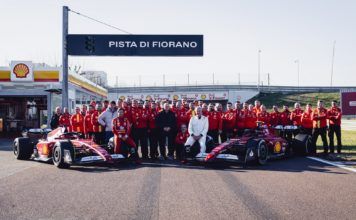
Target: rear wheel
[(22, 148), (302, 144), (58, 153), (262, 153)]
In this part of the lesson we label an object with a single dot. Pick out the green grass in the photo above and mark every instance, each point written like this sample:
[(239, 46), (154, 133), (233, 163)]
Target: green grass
[(280, 99)]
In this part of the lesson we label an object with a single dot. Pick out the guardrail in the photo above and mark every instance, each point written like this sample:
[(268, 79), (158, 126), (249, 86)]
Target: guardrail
[(227, 87)]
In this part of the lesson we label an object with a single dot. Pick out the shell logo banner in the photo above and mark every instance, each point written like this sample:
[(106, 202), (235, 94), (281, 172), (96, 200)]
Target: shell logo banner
[(21, 71)]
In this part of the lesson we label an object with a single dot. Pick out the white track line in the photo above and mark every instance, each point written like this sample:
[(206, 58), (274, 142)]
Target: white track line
[(342, 166)]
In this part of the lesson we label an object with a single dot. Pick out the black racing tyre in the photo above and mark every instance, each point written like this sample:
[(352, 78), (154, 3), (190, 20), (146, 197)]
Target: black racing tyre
[(302, 144), (58, 153), (262, 153), (210, 145), (23, 149)]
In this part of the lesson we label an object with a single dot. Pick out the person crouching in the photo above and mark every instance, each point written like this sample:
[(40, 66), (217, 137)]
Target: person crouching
[(180, 140), (124, 144)]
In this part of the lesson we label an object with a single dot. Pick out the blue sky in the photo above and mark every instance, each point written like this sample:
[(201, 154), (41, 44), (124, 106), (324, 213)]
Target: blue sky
[(233, 32)]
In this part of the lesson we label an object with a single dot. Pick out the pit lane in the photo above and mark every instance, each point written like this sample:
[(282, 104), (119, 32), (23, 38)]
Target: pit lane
[(297, 188)]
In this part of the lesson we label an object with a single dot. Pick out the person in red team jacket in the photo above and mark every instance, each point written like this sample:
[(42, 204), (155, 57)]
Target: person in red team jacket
[(181, 115), (215, 123), (241, 119), (180, 140), (122, 131), (319, 116), (153, 132), (284, 117), (64, 120), (77, 121), (296, 115), (229, 123), (205, 109), (88, 126), (274, 116), (334, 116), (306, 120), (140, 124), (98, 129), (263, 116), (251, 118)]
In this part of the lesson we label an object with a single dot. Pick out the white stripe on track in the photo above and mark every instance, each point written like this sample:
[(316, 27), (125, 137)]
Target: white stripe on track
[(342, 166)]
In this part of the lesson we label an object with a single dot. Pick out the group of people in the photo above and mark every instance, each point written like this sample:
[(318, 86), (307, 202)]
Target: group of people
[(153, 125)]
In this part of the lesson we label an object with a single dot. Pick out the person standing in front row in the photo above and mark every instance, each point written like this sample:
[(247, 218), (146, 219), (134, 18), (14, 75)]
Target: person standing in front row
[(166, 124), (334, 116), (319, 116), (105, 119), (98, 129), (55, 118)]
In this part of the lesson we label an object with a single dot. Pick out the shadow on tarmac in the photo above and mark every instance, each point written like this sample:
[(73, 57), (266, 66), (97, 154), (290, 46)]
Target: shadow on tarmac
[(295, 164)]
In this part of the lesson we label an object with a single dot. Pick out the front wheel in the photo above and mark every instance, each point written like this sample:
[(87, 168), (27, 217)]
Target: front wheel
[(58, 153), (262, 153)]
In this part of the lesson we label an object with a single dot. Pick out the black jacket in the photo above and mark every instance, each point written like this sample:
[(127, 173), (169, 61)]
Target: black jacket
[(166, 119), (55, 121)]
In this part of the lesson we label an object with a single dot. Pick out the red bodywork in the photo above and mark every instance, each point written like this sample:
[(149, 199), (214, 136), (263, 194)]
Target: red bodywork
[(276, 145), (88, 146)]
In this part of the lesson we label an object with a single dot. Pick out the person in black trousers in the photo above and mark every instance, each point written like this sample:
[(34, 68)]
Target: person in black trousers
[(166, 124), (55, 118), (334, 116)]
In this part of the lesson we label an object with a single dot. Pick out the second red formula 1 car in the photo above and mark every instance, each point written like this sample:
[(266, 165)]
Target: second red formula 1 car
[(257, 146)]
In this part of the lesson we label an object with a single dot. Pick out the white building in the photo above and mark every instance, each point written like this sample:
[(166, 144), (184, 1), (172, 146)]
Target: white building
[(98, 77), (30, 92)]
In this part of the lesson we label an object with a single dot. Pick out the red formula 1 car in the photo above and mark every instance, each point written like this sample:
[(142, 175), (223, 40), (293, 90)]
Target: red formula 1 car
[(63, 148), (257, 146)]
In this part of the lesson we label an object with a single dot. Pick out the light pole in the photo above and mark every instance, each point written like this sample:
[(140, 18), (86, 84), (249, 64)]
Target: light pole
[(298, 63), (65, 58), (239, 81), (259, 69), (332, 65)]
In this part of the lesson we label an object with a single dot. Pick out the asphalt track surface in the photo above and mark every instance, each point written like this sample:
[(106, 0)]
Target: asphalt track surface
[(297, 188)]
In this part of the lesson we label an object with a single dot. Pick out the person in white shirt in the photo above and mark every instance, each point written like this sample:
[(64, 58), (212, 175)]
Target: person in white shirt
[(198, 128)]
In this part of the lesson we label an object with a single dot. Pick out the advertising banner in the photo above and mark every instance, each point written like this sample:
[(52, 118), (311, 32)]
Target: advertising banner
[(135, 45)]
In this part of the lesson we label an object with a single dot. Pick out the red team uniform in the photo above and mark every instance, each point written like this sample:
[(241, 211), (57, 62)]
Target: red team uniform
[(284, 118), (77, 123), (264, 117), (88, 125), (296, 116), (215, 124), (250, 120), (122, 131), (64, 121)]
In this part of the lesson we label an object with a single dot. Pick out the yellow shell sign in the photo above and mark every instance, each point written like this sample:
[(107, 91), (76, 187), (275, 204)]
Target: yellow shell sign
[(277, 147), (203, 96), (175, 97), (21, 70)]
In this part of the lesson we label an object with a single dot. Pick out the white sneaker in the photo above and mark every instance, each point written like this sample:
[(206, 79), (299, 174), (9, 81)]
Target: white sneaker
[(200, 155)]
